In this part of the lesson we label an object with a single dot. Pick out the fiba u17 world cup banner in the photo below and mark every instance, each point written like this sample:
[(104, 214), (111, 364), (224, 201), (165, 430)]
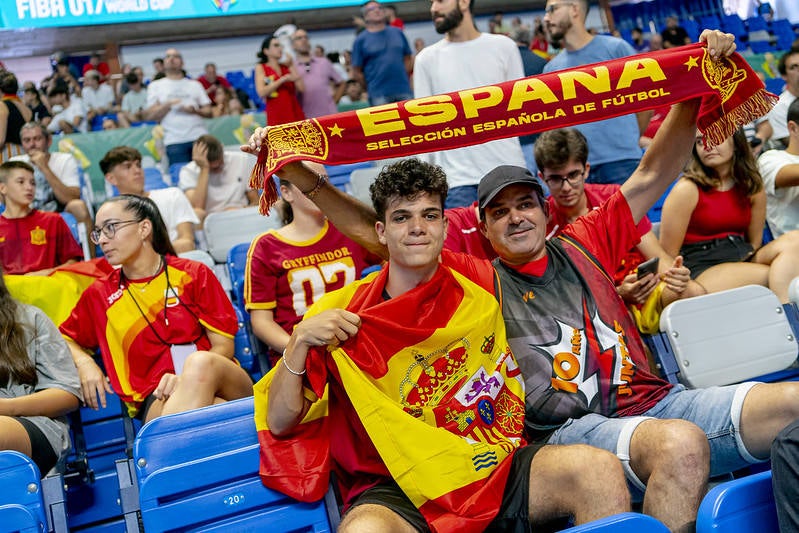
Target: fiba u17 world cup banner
[(732, 95)]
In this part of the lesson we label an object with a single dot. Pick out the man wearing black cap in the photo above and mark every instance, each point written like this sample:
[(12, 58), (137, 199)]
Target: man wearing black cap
[(584, 364)]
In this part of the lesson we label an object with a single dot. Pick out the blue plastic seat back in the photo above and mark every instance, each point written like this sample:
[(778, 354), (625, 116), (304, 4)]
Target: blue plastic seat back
[(72, 223), (21, 503), (236, 265), (745, 504), (199, 470), (622, 523)]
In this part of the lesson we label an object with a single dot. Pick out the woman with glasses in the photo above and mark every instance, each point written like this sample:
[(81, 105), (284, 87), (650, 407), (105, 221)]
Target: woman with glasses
[(277, 84), (163, 325), (38, 383), (715, 215)]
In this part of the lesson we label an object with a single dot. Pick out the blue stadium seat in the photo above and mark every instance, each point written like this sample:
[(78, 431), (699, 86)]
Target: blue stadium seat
[(782, 27), (621, 523), (174, 172), (72, 223), (761, 47), (100, 438), (21, 504), (340, 174), (775, 85), (756, 24), (199, 470), (734, 25), (236, 265), (741, 505), (154, 179)]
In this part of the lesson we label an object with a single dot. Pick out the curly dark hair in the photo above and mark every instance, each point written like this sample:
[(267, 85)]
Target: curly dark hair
[(407, 179)]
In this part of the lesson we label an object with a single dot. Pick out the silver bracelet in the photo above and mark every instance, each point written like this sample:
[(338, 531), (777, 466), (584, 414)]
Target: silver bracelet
[(289, 368)]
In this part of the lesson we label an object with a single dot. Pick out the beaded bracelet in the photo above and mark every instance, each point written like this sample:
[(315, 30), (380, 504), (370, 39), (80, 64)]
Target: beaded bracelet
[(321, 179), (289, 368)]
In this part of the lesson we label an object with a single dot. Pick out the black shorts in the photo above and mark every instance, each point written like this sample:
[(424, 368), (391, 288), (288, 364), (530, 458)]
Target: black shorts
[(513, 515), (141, 415), (42, 452), (700, 256)]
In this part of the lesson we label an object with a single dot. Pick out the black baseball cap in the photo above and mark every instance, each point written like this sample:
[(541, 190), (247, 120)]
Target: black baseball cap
[(499, 178)]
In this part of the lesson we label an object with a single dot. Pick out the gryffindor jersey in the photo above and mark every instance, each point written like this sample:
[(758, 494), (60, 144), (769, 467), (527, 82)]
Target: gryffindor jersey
[(577, 347)]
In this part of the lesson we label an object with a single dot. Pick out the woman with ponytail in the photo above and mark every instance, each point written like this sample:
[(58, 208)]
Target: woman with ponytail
[(164, 325)]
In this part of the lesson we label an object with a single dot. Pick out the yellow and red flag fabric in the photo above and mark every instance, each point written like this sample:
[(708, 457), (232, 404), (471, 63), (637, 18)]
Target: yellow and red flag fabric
[(57, 293), (433, 382), (732, 95)]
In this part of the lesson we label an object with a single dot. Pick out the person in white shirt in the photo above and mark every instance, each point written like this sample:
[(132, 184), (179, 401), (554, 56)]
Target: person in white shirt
[(122, 169), (72, 117), (775, 128), (780, 171), (57, 174), (134, 101), (216, 180), (463, 59), (179, 104), (98, 99)]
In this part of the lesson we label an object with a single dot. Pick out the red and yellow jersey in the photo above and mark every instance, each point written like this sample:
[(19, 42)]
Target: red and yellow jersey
[(426, 393), (34, 242), (135, 322), (289, 276)]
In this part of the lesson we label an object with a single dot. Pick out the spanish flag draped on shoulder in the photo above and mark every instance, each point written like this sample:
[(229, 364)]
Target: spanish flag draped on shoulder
[(431, 384), (732, 95)]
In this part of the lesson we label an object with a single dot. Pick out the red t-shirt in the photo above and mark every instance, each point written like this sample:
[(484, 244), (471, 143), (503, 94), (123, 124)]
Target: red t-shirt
[(134, 323), (607, 233), (718, 214), (289, 276), (464, 235), (36, 241), (596, 195), (282, 105), (210, 88)]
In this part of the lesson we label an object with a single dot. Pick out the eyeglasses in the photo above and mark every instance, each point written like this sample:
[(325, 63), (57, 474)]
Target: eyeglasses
[(555, 182), (551, 8), (109, 229)]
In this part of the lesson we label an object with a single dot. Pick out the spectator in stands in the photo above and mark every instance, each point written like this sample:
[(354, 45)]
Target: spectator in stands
[(210, 80), (775, 127), (639, 43), (39, 383), (121, 85), (353, 97), (72, 117), (57, 174), (540, 44), (562, 157), (179, 105), (323, 85), (217, 180), (674, 34), (497, 24), (134, 101), (613, 144), (392, 18), (665, 435), (780, 171), (96, 64), (31, 241), (714, 218), (159, 70), (164, 325), (109, 123), (445, 67), (277, 83), (374, 339), (98, 98), (381, 58), (291, 268), (62, 77), (122, 169), (655, 43), (13, 114), (33, 99), (226, 103)]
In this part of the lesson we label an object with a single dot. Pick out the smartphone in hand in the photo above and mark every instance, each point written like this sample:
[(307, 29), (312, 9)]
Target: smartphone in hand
[(650, 266)]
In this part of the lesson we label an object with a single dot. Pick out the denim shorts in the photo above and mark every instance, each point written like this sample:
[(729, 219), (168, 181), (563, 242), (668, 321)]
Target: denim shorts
[(717, 410)]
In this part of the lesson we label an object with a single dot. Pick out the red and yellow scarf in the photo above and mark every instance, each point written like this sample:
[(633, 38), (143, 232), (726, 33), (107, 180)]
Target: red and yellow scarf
[(732, 95)]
